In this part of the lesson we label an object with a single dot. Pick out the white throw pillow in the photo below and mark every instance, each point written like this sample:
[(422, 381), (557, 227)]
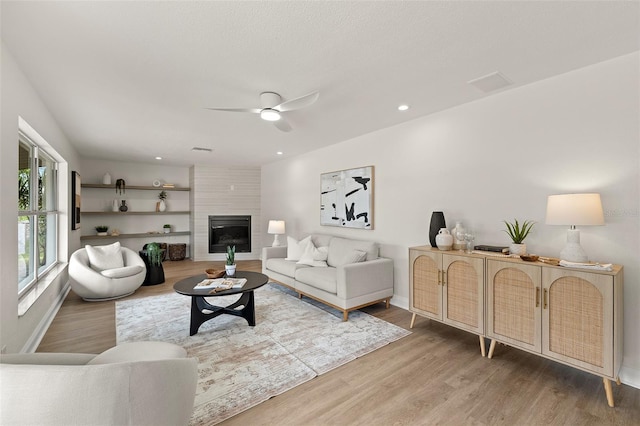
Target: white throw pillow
[(313, 256), (125, 271), (295, 248), (105, 257)]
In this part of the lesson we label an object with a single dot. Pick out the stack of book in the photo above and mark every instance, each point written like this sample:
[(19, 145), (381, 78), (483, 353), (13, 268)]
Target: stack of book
[(491, 250)]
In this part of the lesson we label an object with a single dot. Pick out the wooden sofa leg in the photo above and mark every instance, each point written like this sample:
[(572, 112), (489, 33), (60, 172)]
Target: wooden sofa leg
[(345, 315), (299, 295), (387, 303)]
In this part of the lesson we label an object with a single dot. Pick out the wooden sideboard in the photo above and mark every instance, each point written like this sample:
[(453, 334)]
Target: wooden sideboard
[(569, 315)]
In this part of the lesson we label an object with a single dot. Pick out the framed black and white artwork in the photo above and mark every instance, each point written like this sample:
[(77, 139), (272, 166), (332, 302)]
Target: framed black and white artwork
[(346, 198), (76, 200)]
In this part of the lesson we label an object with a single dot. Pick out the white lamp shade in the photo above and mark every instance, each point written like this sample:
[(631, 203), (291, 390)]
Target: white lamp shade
[(574, 209), (276, 227)]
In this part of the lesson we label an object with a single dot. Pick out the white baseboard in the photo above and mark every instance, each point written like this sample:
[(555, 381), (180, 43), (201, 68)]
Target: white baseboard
[(36, 337), (630, 376), (400, 302)]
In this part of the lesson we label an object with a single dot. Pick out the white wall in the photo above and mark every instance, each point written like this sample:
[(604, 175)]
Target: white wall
[(20, 99), (494, 159)]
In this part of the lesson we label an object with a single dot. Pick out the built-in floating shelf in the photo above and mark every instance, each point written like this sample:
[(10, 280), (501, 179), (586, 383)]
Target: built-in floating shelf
[(144, 188), (140, 235), (133, 213)]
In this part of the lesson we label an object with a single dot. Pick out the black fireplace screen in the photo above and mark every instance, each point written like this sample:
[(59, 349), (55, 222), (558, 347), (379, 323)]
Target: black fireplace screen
[(229, 231)]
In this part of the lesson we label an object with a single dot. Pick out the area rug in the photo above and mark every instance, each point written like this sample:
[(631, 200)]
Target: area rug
[(241, 366)]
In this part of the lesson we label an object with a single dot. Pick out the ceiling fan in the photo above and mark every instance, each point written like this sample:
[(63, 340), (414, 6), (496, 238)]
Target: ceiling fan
[(273, 107)]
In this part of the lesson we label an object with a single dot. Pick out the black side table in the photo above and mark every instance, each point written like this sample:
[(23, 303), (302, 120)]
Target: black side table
[(155, 273)]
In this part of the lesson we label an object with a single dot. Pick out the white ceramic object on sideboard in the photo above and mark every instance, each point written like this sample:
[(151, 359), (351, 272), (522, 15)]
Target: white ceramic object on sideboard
[(444, 240), (518, 249)]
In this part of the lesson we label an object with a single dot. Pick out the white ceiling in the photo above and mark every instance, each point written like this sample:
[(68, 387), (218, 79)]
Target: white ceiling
[(131, 80)]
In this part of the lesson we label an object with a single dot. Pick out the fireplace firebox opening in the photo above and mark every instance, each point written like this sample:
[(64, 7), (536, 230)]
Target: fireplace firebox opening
[(229, 231)]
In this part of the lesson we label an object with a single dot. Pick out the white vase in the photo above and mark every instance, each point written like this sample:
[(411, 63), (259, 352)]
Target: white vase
[(106, 179), (162, 206), (115, 206), (517, 249), (458, 244), (230, 270), (444, 240)]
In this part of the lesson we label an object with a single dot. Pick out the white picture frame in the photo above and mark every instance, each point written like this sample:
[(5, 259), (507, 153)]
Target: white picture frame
[(346, 198)]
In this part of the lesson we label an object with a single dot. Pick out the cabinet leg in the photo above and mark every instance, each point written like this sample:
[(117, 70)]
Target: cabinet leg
[(482, 348), (413, 320), (618, 382), (492, 348), (608, 391)]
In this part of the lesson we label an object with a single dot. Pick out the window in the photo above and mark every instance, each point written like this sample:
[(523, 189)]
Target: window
[(37, 212)]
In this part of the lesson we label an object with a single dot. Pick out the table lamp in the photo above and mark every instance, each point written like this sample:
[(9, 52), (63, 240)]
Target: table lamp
[(572, 210), (276, 227)]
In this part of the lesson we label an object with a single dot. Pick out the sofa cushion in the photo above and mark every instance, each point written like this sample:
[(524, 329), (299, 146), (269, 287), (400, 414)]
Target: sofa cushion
[(341, 251), (313, 256), (321, 278), (105, 257), (125, 271), (139, 351), (295, 248), (283, 266), (321, 240)]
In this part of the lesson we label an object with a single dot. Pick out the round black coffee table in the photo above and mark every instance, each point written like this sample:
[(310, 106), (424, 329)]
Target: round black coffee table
[(199, 305)]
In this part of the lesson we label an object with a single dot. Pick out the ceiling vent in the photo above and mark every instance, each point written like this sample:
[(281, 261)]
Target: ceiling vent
[(490, 82), (198, 148)]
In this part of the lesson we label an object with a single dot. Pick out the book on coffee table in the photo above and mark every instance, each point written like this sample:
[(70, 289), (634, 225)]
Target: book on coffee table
[(220, 284)]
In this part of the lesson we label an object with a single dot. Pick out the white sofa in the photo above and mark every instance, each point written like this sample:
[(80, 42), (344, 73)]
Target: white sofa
[(139, 383), (344, 273)]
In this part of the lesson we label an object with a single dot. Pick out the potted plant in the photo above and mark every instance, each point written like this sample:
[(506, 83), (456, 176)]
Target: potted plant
[(518, 232), (162, 206), (154, 254), (166, 228), (102, 230), (230, 266)]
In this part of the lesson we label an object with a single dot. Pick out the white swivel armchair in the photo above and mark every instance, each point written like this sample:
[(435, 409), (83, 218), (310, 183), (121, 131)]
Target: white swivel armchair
[(138, 383), (94, 283)]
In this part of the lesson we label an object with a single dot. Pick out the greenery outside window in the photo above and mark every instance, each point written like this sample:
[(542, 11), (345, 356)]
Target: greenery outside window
[(37, 213)]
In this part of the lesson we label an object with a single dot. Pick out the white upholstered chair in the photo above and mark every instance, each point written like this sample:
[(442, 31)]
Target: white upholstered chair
[(115, 272), (139, 383)]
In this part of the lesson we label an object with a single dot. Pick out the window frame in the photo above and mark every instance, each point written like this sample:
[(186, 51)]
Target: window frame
[(50, 214)]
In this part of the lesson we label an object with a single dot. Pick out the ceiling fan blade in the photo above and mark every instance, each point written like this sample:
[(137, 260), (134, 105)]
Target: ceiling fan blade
[(252, 110), (282, 124), (301, 102)]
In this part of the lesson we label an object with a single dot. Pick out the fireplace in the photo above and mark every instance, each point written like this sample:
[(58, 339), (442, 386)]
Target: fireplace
[(229, 231)]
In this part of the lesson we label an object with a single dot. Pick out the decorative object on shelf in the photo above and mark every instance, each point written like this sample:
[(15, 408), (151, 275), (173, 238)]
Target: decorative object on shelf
[(115, 232), (123, 206), (437, 223), (115, 205), (458, 236), (572, 210), (106, 179), (156, 183), (102, 230), (444, 240), (120, 186), (518, 233), (276, 228), (230, 266), (166, 228), (161, 205), (469, 238), (346, 198), (76, 184)]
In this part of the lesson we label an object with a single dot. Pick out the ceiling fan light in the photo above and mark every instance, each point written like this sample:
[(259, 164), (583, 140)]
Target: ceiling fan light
[(269, 114)]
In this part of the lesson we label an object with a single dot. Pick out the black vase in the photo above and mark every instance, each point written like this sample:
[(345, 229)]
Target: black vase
[(437, 222)]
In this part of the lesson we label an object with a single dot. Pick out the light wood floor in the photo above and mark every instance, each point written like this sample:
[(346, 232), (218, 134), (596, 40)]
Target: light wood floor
[(434, 376)]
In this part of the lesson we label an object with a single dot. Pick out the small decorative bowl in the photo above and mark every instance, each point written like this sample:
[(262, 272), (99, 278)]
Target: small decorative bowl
[(214, 273), (529, 257)]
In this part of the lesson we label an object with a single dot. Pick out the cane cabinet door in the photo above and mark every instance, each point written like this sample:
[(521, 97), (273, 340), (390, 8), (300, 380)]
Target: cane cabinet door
[(577, 319), (514, 306), (426, 291), (463, 292)]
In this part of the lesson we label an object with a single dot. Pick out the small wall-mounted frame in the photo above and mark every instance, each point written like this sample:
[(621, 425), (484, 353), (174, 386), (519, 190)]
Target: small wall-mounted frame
[(75, 200), (346, 198)]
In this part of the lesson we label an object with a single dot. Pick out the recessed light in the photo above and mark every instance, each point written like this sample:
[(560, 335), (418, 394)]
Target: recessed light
[(279, 153), (158, 158), (403, 107)]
